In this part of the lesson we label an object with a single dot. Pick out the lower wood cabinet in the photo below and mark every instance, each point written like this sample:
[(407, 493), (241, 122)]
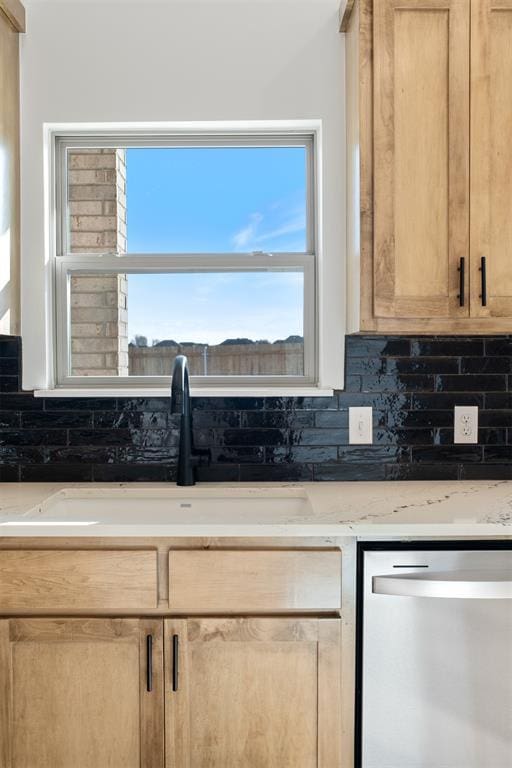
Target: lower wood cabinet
[(258, 686), (184, 693), (253, 693), (74, 693)]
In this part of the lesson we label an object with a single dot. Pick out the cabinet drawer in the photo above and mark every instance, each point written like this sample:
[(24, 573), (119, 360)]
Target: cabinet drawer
[(234, 581), (39, 581)]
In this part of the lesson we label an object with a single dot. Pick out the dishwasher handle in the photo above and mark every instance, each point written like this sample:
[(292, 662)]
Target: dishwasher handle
[(478, 584)]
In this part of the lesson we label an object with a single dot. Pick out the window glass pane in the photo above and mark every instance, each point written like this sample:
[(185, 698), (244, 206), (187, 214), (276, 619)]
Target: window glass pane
[(194, 199), (227, 323)]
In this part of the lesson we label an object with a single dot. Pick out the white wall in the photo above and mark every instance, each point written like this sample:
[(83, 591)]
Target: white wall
[(121, 60)]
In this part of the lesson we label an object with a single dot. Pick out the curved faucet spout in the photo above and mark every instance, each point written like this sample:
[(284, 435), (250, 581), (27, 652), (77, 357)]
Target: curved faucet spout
[(180, 391), (188, 458)]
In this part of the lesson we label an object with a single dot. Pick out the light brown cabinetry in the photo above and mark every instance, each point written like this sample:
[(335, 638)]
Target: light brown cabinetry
[(253, 693), (260, 581), (491, 156), (98, 581), (231, 688), (421, 145), (429, 116), (74, 693), (12, 22)]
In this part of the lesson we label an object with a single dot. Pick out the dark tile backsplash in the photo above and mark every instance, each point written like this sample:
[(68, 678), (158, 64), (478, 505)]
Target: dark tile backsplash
[(412, 384)]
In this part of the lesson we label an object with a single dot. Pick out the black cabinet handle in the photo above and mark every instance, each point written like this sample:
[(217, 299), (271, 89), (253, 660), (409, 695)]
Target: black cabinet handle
[(175, 661), (462, 280), (149, 663), (483, 270)]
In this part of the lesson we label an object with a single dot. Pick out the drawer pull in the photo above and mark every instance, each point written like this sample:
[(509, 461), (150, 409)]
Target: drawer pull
[(483, 270), (149, 663), (175, 661), (462, 279)]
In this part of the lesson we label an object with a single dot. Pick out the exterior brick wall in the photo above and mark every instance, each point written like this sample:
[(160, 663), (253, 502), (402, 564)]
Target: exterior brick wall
[(97, 203)]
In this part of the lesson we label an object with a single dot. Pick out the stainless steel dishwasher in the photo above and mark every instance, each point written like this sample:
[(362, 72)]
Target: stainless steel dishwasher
[(434, 664)]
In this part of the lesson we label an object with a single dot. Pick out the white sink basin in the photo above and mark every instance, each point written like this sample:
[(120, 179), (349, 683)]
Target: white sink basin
[(143, 512)]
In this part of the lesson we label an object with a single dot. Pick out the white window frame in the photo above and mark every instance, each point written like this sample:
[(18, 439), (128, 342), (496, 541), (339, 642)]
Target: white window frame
[(39, 249), (67, 264)]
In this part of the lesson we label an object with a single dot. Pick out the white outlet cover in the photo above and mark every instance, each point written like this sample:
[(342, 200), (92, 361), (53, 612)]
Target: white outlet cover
[(360, 426), (465, 424)]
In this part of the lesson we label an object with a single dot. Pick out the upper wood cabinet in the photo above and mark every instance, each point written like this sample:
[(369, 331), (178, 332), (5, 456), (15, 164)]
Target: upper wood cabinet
[(253, 693), (421, 161), (74, 693), (12, 22), (491, 157), (430, 165)]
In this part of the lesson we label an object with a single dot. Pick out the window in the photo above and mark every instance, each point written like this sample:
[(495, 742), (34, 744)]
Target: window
[(199, 245)]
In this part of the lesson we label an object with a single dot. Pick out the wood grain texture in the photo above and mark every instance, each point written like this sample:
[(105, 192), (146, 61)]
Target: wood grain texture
[(348, 651), (366, 120), (10, 196), (495, 318), (127, 543), (254, 581), (329, 692), (345, 14), (472, 325), (77, 694), (254, 693), (359, 148), (15, 13), (421, 180), (353, 154), (5, 696), (70, 581), (491, 156), (421, 144), (152, 703), (160, 547)]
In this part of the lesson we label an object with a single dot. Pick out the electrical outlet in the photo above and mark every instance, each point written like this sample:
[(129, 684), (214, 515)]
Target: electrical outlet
[(465, 423), (360, 426)]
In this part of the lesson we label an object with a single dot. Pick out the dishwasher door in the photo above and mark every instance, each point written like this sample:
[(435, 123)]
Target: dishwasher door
[(436, 663)]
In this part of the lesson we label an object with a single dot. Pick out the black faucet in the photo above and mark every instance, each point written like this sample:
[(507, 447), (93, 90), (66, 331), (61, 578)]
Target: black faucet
[(188, 457)]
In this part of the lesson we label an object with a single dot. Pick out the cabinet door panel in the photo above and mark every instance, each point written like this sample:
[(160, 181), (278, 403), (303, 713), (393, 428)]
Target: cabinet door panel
[(421, 156), (491, 156), (68, 582), (254, 693), (260, 581), (74, 694)]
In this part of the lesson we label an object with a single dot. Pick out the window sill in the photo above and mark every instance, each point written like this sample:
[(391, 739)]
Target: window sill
[(194, 392)]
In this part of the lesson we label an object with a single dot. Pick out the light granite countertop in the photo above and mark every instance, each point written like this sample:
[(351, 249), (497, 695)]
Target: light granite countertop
[(360, 509)]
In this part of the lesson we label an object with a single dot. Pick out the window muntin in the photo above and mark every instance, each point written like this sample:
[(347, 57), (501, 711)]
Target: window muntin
[(105, 249)]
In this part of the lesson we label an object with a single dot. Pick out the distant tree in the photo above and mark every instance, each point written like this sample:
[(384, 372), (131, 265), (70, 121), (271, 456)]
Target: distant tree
[(165, 343), (290, 340), (228, 342), (139, 341), (155, 342)]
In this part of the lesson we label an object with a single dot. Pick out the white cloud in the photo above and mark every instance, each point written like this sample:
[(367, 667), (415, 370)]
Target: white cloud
[(286, 220), (244, 236), (287, 228)]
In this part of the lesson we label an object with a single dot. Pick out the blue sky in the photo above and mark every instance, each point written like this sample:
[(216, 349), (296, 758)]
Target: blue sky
[(221, 200)]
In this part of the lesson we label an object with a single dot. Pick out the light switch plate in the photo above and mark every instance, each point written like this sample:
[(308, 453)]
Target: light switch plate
[(465, 424), (360, 426)]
